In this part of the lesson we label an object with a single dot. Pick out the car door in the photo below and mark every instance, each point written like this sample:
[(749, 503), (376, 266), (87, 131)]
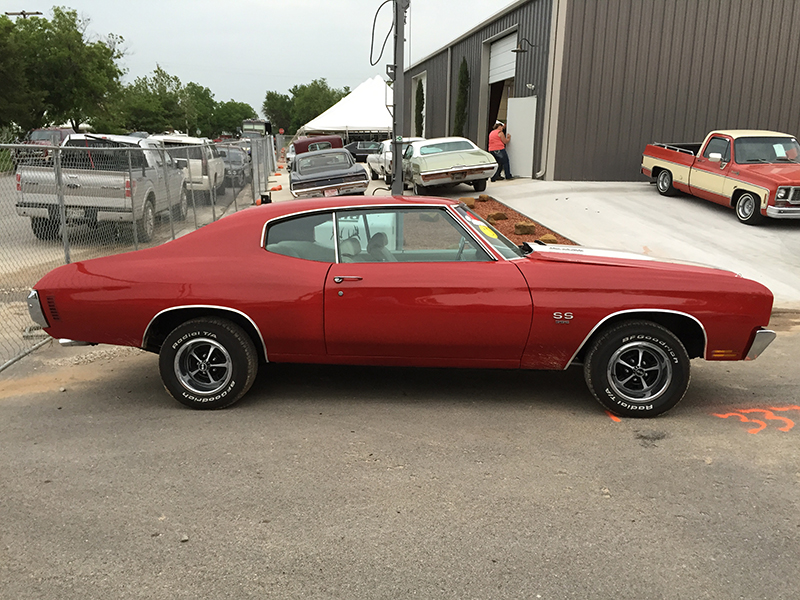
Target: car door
[(707, 178), (431, 295)]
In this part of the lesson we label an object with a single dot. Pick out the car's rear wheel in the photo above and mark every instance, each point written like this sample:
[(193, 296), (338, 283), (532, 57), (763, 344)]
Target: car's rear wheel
[(387, 178), (372, 174), (479, 185), (419, 189), (44, 229), (637, 369), (748, 210), (208, 363), (146, 226), (664, 183)]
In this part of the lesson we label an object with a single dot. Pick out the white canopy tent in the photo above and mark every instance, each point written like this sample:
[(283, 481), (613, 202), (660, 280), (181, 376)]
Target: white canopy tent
[(364, 110)]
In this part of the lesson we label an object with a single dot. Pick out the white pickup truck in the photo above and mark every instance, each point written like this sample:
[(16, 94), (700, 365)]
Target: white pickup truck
[(104, 178)]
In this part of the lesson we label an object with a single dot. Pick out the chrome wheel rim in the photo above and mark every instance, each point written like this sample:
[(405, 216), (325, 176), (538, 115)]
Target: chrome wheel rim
[(663, 181), (639, 372), (149, 220), (203, 366), (746, 206)]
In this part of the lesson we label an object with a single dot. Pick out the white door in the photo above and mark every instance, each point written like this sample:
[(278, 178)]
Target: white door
[(521, 125)]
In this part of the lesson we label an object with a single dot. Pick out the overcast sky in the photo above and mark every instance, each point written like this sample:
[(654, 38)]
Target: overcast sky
[(239, 49)]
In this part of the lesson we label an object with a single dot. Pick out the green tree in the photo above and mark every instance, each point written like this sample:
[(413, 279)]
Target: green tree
[(153, 103), (462, 99), (419, 105), (229, 115), (70, 77), (198, 105), (278, 109), (14, 93)]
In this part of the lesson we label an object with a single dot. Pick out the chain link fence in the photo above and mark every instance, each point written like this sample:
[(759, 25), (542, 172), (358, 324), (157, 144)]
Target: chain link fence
[(97, 196)]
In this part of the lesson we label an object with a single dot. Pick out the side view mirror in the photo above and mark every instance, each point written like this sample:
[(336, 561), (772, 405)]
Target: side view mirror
[(715, 157)]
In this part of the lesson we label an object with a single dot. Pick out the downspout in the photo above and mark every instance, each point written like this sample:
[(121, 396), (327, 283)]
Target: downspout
[(558, 12)]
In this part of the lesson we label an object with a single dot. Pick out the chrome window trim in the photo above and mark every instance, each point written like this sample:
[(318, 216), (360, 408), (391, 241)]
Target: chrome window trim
[(639, 310), (214, 306)]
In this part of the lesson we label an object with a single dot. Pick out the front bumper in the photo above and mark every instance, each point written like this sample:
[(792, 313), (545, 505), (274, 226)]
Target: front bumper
[(762, 339), (783, 212)]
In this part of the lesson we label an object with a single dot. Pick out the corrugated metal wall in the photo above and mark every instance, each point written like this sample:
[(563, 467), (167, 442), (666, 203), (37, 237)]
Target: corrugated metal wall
[(671, 70), (532, 20)]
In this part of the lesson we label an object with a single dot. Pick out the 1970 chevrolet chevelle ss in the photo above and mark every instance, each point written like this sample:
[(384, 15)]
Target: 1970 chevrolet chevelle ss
[(404, 281)]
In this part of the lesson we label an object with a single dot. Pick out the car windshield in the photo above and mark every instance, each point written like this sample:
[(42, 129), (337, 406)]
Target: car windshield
[(504, 246), (43, 136), (329, 161), (766, 150), (445, 147)]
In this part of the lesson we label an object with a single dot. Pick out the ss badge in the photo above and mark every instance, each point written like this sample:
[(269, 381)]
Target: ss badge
[(562, 317)]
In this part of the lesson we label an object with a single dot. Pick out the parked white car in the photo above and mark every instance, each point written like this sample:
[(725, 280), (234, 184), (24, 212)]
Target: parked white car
[(379, 165), (203, 166)]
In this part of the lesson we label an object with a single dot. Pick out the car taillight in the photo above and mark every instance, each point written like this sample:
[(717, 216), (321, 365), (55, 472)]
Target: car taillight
[(19, 182), (205, 166), (129, 187)]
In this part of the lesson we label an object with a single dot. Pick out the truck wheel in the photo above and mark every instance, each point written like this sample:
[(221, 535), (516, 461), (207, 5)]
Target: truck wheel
[(480, 185), (208, 363), (748, 209), (146, 226), (664, 183), (637, 369), (181, 209), (44, 229)]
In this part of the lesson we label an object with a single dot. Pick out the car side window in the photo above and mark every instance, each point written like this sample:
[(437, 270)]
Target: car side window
[(309, 237), (404, 235), (720, 146)]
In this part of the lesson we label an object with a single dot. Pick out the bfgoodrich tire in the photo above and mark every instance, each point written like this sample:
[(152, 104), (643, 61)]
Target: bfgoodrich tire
[(637, 369), (208, 363)]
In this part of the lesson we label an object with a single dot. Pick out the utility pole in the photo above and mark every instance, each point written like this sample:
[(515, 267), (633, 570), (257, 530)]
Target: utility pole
[(23, 14), (398, 95)]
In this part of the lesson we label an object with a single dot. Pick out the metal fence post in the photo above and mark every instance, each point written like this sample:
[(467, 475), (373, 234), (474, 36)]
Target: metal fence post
[(133, 206), (191, 186), (163, 154), (62, 209)]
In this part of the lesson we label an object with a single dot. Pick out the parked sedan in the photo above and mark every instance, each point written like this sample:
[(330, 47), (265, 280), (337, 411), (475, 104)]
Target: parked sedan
[(326, 173), (402, 281), (441, 161), (360, 150), (379, 165)]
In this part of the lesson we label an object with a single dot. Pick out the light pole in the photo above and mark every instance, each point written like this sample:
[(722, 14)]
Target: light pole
[(398, 95)]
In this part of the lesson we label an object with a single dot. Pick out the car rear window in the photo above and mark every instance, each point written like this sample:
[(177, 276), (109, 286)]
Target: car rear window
[(445, 147)]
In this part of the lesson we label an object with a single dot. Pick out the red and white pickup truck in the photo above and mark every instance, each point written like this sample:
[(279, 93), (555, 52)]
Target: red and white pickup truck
[(755, 172)]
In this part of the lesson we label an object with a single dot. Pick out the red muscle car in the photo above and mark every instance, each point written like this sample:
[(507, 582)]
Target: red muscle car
[(404, 281)]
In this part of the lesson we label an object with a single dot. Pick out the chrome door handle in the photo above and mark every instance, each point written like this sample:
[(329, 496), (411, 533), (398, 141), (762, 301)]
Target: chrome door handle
[(341, 278)]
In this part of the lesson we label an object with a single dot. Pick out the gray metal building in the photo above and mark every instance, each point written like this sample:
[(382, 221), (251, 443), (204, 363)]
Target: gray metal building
[(599, 79)]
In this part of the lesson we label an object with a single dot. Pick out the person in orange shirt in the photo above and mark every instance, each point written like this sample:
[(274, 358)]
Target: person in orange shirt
[(497, 147)]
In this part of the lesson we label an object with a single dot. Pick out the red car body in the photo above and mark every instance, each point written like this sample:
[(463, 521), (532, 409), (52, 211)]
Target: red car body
[(543, 310)]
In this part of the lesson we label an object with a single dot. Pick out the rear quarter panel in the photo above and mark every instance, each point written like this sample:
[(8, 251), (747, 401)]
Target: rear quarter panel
[(678, 163)]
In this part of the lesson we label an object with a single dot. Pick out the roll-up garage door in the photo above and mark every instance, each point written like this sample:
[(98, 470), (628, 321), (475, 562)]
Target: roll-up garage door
[(502, 61)]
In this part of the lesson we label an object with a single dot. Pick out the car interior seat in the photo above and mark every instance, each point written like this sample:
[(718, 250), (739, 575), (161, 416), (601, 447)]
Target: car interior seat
[(349, 249), (376, 248)]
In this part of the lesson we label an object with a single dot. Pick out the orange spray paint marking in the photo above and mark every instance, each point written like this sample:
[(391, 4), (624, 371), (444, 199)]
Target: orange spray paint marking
[(614, 417), (744, 419), (772, 417)]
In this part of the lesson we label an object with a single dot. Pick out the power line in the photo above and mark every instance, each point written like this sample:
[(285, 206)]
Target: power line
[(24, 14)]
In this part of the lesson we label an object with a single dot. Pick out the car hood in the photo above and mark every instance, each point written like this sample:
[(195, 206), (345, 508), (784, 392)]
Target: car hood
[(780, 173), (617, 258)]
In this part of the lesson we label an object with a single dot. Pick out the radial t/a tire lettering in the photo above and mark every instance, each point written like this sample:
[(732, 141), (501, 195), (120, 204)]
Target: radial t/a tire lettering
[(208, 363), (637, 369)]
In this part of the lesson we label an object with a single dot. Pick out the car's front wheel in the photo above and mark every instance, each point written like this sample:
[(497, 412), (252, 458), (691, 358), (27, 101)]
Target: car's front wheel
[(208, 363), (419, 189), (748, 209), (637, 369)]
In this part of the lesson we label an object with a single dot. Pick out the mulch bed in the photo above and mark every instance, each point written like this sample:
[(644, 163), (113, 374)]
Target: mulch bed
[(486, 205)]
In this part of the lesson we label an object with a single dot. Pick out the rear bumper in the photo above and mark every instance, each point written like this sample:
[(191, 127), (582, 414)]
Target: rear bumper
[(332, 190), (82, 214)]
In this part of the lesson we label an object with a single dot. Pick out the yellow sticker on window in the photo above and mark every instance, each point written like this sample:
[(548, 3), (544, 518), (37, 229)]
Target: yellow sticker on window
[(488, 232)]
